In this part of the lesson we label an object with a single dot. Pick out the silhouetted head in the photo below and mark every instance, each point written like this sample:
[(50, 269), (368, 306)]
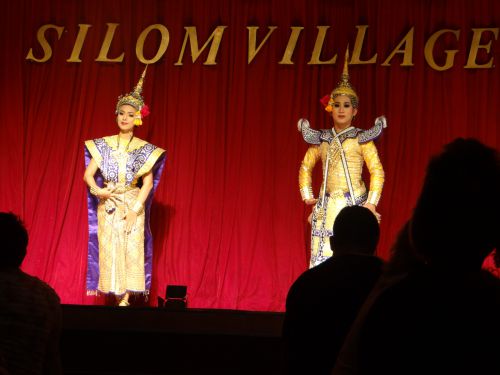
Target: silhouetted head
[(456, 219), (356, 231), (13, 241)]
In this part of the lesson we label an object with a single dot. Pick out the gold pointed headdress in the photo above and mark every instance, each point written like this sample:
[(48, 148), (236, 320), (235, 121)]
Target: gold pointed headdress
[(344, 87), (135, 99)]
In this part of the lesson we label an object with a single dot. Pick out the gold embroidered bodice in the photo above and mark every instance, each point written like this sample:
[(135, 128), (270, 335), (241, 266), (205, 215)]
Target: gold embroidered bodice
[(356, 155)]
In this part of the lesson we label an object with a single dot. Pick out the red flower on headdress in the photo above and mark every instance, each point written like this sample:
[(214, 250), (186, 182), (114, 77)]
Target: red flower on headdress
[(145, 111), (324, 100)]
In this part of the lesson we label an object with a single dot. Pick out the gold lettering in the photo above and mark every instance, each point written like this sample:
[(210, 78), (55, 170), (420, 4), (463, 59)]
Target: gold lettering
[(139, 47), (47, 50), (80, 39), (450, 54), (358, 46), (252, 41), (290, 47), (407, 51), (318, 46), (475, 46), (108, 38), (195, 51)]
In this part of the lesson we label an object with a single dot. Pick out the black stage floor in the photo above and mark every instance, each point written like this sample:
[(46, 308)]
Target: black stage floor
[(142, 340)]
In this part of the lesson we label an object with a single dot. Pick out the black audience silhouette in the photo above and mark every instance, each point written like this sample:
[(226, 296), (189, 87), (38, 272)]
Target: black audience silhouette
[(435, 311), (30, 311), (324, 301)]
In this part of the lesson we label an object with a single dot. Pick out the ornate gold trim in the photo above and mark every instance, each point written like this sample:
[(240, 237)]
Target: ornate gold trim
[(94, 152), (148, 165)]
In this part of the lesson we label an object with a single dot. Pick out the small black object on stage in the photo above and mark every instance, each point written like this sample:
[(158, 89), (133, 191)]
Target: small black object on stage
[(175, 298)]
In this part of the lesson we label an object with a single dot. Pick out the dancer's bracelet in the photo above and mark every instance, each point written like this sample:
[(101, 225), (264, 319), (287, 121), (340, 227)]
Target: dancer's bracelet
[(137, 207), (94, 191)]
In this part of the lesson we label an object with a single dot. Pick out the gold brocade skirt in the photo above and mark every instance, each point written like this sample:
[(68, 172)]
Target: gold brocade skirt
[(322, 228), (324, 215), (121, 254)]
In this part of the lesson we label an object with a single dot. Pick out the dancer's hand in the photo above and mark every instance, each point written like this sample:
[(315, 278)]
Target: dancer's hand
[(130, 220), (310, 201), (373, 209), (106, 192)]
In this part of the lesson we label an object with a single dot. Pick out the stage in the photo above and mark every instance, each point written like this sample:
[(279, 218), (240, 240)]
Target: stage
[(143, 340)]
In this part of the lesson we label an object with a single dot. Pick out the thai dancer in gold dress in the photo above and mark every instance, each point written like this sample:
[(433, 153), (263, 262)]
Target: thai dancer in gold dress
[(342, 150), (122, 172)]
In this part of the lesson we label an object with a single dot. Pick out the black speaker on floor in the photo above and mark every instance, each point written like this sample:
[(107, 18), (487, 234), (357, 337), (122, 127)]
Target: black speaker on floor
[(176, 297)]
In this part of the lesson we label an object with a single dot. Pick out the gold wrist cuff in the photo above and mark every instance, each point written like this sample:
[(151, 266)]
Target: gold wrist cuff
[(373, 198), (306, 193), (137, 207)]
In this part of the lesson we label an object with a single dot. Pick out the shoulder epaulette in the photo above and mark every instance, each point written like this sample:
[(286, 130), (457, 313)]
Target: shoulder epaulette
[(311, 136), (374, 132)]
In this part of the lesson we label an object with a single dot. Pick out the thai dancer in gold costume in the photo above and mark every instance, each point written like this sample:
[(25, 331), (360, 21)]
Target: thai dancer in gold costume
[(342, 150), (122, 173)]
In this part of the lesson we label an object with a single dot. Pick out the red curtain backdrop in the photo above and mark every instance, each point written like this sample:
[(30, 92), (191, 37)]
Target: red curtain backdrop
[(227, 220)]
